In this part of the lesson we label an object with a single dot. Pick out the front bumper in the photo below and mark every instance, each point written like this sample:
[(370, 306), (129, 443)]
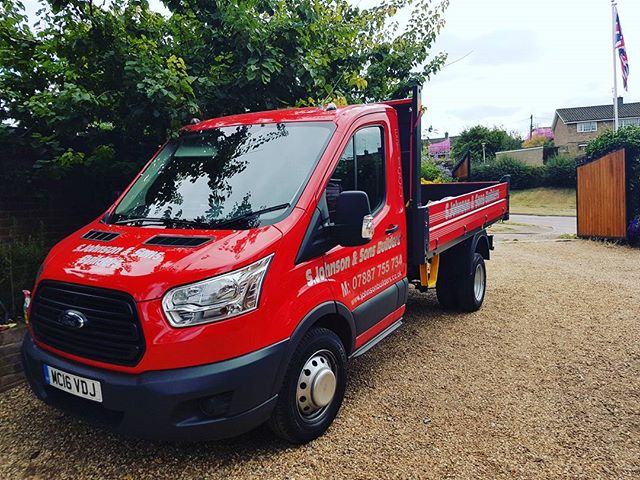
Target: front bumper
[(212, 401)]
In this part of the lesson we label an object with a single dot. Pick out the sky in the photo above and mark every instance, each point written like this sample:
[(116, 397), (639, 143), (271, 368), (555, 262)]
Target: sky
[(509, 59)]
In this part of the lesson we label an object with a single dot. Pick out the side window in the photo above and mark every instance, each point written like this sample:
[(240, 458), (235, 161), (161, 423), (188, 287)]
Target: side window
[(361, 167), (370, 165)]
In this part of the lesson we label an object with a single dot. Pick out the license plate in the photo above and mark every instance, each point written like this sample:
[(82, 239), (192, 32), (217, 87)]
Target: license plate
[(73, 384)]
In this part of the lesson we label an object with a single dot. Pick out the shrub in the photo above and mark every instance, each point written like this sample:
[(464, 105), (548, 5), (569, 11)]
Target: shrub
[(560, 172), (433, 172), (522, 175), (19, 263), (429, 170)]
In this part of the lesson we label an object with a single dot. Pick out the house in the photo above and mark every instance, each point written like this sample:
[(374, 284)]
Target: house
[(440, 148), (574, 127)]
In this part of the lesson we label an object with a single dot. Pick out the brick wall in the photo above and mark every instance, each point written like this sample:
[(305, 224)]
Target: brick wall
[(568, 139), (530, 156), (10, 366)]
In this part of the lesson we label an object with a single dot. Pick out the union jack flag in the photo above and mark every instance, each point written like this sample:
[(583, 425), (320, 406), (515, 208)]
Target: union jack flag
[(622, 51)]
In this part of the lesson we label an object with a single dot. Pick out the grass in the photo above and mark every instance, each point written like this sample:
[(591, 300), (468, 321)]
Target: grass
[(544, 201)]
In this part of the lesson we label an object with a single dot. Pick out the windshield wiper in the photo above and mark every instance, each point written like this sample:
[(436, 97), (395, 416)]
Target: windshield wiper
[(244, 216), (164, 221)]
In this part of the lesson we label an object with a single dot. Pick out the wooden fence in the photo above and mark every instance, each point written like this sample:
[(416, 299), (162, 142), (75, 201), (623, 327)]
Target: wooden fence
[(601, 197), (462, 169)]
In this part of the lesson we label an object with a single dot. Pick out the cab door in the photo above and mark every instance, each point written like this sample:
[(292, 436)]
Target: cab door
[(370, 280)]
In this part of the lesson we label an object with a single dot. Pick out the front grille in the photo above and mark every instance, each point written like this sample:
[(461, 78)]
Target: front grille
[(112, 332)]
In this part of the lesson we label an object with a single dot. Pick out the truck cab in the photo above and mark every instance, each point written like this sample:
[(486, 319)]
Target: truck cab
[(248, 261)]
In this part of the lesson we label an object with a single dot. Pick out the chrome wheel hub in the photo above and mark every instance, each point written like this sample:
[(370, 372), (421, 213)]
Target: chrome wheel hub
[(316, 384), (479, 283)]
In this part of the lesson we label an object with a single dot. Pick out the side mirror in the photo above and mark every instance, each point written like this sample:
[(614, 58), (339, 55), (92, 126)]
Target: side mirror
[(354, 223)]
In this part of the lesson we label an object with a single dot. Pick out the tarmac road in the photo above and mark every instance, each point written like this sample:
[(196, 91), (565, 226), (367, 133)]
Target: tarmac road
[(535, 227)]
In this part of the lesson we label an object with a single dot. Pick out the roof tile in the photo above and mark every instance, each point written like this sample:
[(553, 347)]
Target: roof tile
[(598, 112)]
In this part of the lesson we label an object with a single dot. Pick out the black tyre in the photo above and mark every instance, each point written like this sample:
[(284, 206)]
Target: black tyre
[(472, 288), (313, 388), (446, 293)]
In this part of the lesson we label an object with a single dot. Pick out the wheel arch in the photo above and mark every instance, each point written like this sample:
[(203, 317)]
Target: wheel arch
[(481, 245), (331, 315), (460, 257)]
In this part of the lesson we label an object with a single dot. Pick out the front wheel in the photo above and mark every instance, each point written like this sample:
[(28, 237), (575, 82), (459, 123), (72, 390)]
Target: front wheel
[(313, 388), (472, 288)]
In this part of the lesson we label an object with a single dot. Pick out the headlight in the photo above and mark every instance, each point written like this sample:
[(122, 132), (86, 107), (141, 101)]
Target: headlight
[(218, 298)]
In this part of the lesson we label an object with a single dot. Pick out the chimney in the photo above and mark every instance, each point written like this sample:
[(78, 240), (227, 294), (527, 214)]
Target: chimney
[(620, 102)]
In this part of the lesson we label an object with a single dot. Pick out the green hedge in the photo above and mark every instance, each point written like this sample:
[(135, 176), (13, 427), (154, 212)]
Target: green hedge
[(19, 263), (560, 171)]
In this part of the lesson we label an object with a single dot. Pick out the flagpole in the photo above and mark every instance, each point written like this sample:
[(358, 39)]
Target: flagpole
[(615, 77)]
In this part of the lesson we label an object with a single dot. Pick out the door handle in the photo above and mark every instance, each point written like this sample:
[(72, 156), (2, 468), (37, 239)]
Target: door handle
[(392, 229)]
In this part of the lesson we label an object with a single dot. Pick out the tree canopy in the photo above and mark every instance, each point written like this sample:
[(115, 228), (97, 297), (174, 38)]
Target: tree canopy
[(495, 140), (91, 90)]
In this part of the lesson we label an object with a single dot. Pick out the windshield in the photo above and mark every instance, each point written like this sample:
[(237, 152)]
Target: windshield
[(248, 174)]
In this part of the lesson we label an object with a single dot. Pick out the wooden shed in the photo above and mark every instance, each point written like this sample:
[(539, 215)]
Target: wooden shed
[(602, 197)]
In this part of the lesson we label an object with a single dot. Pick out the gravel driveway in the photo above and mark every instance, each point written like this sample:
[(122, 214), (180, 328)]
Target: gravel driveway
[(543, 382)]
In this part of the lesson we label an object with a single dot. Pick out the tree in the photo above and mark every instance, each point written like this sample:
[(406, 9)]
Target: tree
[(537, 141), (495, 140), (91, 91)]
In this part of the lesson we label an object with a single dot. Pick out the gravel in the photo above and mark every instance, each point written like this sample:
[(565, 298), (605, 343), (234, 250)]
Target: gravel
[(541, 383)]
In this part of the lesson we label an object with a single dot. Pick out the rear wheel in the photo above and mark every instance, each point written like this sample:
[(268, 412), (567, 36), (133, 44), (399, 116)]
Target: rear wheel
[(472, 288), (313, 388), (446, 293)]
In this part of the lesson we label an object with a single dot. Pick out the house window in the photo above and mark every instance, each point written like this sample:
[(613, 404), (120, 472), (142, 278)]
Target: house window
[(586, 127), (626, 122)]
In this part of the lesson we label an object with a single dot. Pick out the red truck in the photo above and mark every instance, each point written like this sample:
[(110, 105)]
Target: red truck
[(251, 258)]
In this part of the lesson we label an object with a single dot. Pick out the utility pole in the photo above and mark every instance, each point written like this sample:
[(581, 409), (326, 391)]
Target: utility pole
[(484, 155), (531, 127)]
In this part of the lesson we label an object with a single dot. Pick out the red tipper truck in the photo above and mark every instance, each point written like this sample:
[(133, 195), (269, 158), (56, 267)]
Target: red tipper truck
[(252, 257)]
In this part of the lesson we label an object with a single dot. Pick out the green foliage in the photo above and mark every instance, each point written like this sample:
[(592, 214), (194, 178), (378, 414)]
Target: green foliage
[(19, 263), (537, 141), (522, 175), (560, 172), (629, 139), (430, 171), (495, 139), (91, 91)]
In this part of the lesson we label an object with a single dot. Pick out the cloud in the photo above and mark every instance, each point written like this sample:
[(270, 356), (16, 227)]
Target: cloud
[(502, 47), (483, 111)]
